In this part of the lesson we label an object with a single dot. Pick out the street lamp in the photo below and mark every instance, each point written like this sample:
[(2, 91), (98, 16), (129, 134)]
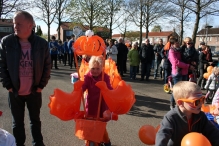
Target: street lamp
[(207, 27)]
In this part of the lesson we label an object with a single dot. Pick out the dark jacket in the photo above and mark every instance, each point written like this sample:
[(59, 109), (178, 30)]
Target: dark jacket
[(202, 61), (164, 55), (157, 49), (174, 127), (146, 53), (190, 55), (122, 51), (10, 52)]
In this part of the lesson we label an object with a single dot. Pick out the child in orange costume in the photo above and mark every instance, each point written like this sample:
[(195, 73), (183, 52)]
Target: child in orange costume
[(90, 79)]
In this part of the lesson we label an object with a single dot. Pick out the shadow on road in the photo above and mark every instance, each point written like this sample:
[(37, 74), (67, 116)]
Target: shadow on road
[(147, 106)]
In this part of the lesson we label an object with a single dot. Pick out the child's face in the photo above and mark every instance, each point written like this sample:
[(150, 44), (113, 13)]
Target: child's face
[(96, 70), (176, 45), (192, 104)]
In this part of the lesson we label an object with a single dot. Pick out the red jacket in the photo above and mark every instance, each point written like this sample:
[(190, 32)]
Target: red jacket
[(94, 94)]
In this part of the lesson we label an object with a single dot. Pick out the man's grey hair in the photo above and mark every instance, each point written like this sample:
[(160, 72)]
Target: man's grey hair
[(27, 16)]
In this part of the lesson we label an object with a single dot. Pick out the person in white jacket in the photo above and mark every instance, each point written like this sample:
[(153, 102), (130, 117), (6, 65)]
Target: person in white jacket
[(212, 84), (112, 51)]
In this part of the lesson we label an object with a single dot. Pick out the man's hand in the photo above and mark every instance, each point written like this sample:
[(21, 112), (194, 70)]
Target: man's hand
[(39, 90), (10, 90), (210, 63)]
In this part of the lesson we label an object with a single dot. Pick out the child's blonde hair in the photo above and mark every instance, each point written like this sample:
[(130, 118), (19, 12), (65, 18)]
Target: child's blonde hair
[(216, 70), (185, 89), (96, 60)]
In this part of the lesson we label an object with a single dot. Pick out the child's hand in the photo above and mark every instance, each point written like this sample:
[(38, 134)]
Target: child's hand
[(107, 115)]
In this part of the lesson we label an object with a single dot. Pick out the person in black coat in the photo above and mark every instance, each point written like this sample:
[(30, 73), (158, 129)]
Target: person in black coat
[(146, 56), (121, 56), (190, 55)]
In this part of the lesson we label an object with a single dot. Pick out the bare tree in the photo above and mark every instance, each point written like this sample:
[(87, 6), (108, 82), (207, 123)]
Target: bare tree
[(180, 13), (8, 7), (136, 15), (112, 10), (61, 7), (202, 8), (145, 12), (47, 12), (123, 24), (88, 12)]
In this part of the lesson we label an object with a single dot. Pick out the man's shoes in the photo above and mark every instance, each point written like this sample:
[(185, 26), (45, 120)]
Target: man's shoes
[(155, 78), (56, 68), (141, 80)]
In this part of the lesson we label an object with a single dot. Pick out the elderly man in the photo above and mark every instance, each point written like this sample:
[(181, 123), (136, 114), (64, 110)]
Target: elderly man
[(157, 52), (146, 54), (121, 56), (25, 67)]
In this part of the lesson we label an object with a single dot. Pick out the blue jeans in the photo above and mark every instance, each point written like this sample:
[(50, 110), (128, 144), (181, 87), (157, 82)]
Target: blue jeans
[(133, 70), (157, 67), (176, 79), (167, 73), (17, 106)]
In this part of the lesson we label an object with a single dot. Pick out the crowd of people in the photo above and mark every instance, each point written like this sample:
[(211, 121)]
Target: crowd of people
[(177, 60), (26, 61)]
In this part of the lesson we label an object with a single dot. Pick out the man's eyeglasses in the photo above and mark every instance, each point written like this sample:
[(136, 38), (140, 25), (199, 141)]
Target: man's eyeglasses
[(195, 102)]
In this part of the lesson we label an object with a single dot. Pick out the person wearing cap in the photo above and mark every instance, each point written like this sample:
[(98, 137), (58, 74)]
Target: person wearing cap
[(53, 45), (201, 47)]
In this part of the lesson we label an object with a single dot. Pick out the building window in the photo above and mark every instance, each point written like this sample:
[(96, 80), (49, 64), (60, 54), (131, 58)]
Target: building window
[(68, 32), (200, 39), (6, 29), (210, 39)]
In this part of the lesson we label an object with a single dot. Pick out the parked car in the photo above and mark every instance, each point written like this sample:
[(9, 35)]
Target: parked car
[(215, 53)]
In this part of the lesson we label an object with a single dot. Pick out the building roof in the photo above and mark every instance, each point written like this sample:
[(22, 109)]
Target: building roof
[(162, 33), (210, 31), (69, 25), (150, 34), (6, 22)]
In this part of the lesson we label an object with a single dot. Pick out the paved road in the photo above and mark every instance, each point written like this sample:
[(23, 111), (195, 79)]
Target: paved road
[(151, 104)]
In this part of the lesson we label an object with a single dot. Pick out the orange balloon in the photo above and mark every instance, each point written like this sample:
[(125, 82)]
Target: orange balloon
[(93, 45), (119, 100), (209, 69), (147, 134), (66, 106), (206, 75), (195, 139)]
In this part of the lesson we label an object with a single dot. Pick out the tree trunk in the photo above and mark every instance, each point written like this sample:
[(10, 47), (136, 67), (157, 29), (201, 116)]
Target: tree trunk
[(111, 25), (181, 31), (1, 8), (197, 19), (48, 37)]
